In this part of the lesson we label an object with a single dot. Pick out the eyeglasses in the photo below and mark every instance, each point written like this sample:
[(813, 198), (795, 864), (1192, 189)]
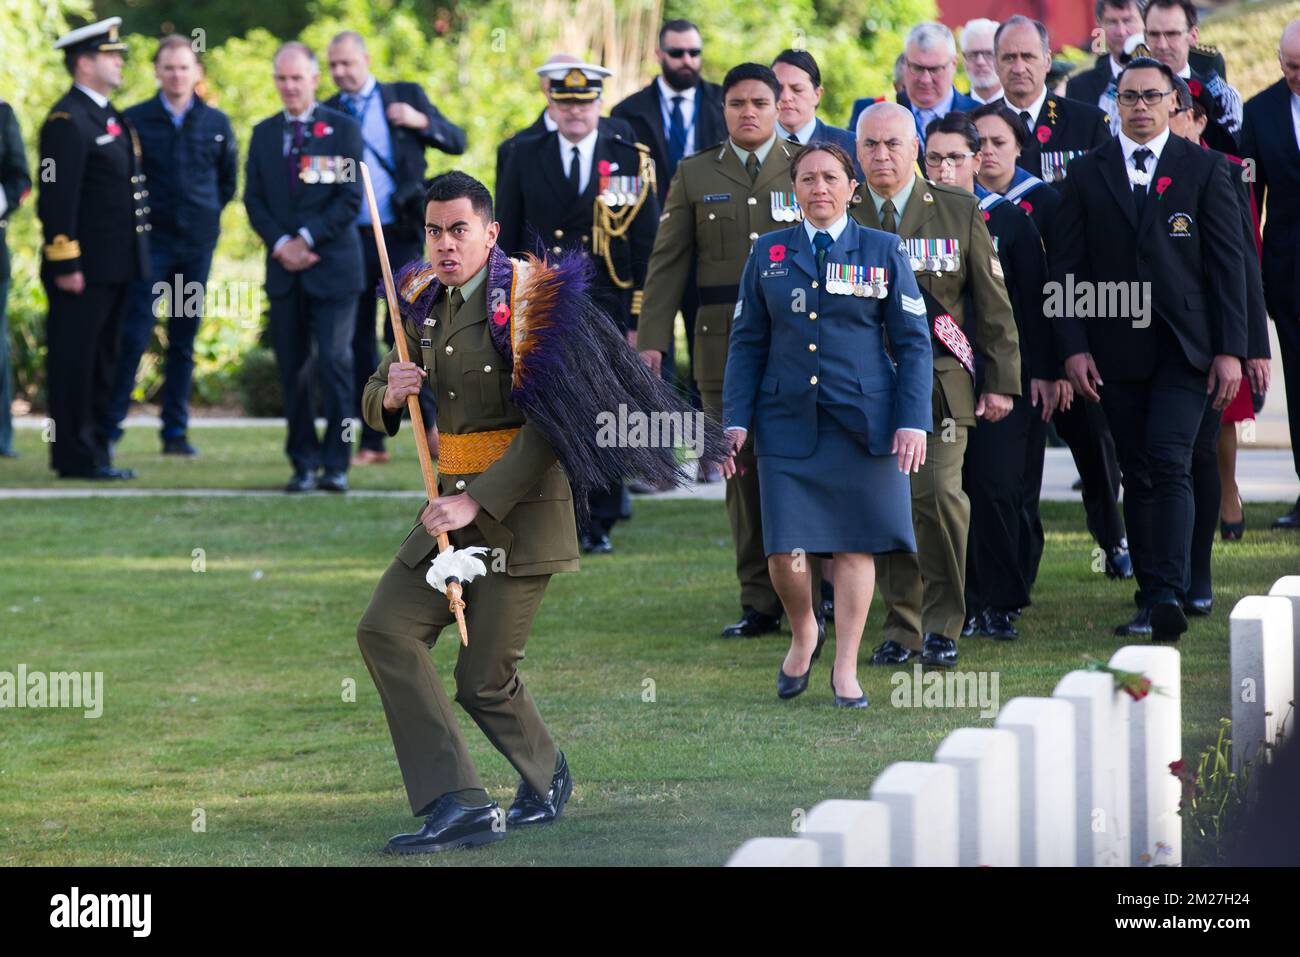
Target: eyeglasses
[(978, 54), (1149, 97), (917, 69), (678, 52), (938, 159)]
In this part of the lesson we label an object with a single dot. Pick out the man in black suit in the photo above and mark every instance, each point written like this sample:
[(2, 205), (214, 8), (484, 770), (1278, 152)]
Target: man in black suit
[(398, 123), (1148, 239), (1271, 139), (303, 192), (15, 185), (1118, 20), (1059, 129), (581, 188), (95, 216), (1170, 32)]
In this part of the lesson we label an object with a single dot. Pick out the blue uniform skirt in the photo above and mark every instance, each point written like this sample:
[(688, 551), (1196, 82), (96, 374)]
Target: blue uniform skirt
[(839, 499)]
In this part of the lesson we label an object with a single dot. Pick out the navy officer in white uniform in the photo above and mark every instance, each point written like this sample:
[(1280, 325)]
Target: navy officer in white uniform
[(838, 425)]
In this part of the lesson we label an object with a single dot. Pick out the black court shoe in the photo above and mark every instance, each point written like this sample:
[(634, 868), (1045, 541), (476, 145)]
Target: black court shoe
[(841, 702), (451, 825)]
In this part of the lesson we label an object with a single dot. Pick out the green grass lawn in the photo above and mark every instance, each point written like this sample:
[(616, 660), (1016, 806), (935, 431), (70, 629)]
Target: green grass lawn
[(223, 689)]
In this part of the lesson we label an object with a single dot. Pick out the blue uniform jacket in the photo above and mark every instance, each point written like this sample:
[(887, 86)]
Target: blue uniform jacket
[(795, 346)]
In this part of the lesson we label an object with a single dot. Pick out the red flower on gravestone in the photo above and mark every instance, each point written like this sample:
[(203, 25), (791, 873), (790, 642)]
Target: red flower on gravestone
[(320, 128), (1194, 86), (501, 315), (603, 167), (776, 254), (1162, 184), (1044, 134), (1026, 205)]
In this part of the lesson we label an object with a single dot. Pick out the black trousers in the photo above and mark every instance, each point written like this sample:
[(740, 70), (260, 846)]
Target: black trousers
[(1288, 337), (1206, 489), (1155, 422), (82, 338), (993, 479), (308, 332), (1084, 429), (1031, 490), (365, 345)]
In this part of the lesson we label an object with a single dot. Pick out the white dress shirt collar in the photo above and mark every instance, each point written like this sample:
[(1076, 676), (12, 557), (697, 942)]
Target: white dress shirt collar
[(1035, 108), (1115, 66), (998, 94), (100, 99), (1185, 72), (586, 151), (304, 116), (1156, 146), (667, 92), (803, 134), (836, 229), (549, 123)]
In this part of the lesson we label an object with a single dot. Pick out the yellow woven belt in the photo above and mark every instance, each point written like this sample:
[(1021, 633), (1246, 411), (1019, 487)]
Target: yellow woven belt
[(472, 452)]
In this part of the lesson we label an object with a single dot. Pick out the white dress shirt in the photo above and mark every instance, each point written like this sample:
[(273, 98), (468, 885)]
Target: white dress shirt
[(100, 99), (1295, 116), (1156, 146), (1034, 109), (803, 134), (304, 117), (666, 94), (586, 153)]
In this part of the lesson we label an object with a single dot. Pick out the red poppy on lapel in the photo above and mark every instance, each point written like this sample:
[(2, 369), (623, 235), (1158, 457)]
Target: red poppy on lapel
[(986, 215), (1162, 184), (603, 167), (319, 128), (113, 128), (776, 253), (502, 314), (1194, 86), (1026, 205), (1044, 134)]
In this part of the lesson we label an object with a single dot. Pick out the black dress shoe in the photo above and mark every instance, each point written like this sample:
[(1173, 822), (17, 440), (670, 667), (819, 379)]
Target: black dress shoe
[(997, 624), (529, 807), (1199, 607), (333, 481), (938, 651), (752, 624), (301, 482), (103, 473), (1167, 620), (1290, 520), (598, 544), (451, 824), (971, 625), (860, 702), (179, 446), (892, 653), (1138, 627), (1119, 564)]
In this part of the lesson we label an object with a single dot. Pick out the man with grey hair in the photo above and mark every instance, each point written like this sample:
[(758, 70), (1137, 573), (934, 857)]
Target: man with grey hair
[(977, 55), (303, 193), (923, 75)]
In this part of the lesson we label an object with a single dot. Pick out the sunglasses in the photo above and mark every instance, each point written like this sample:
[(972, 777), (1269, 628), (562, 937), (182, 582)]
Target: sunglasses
[(678, 52)]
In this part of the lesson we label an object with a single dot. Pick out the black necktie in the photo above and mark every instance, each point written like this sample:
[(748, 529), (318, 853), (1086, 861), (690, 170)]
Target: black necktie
[(794, 139), (575, 173), (1027, 120), (822, 241), (1140, 157), (295, 150), (676, 134)]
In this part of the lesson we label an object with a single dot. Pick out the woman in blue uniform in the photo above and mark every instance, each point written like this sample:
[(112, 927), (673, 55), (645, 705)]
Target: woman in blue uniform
[(837, 426)]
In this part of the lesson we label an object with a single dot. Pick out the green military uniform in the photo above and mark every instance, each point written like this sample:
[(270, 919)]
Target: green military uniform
[(712, 215), (925, 592), (526, 515)]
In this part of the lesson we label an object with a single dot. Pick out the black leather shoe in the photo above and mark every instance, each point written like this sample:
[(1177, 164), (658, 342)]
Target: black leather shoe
[(970, 625), (938, 651), (301, 482), (1119, 564), (892, 653), (846, 702), (179, 446), (752, 624), (598, 544), (451, 824), (788, 687), (333, 481), (1137, 627), (101, 473), (1167, 621), (997, 624), (529, 807), (1290, 520), (1200, 607)]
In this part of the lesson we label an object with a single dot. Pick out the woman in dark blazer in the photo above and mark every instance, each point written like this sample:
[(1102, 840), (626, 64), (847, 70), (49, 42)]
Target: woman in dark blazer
[(837, 426)]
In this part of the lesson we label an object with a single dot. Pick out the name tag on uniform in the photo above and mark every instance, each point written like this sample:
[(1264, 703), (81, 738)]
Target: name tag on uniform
[(717, 197), (934, 255), (321, 169), (785, 208), (104, 138), (426, 343), (774, 272)]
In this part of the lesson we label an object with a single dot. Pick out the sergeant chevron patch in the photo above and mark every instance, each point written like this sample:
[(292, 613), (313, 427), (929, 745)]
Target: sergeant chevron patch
[(913, 304)]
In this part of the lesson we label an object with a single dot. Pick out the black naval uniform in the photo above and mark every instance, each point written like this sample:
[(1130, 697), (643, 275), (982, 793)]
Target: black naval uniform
[(95, 216), (540, 213)]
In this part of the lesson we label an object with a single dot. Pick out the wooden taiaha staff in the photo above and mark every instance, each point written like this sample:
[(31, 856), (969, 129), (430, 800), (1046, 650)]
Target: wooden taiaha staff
[(454, 591)]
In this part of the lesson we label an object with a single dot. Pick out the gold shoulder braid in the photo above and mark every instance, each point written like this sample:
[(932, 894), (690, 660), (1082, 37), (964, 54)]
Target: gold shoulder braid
[(609, 223)]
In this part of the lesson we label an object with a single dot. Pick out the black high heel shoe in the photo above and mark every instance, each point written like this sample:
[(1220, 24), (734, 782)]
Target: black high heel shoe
[(821, 638), (846, 702), (1233, 531), (788, 686)]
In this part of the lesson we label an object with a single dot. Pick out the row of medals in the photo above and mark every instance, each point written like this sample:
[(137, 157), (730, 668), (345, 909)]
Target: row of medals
[(935, 263), (621, 190), (867, 282)]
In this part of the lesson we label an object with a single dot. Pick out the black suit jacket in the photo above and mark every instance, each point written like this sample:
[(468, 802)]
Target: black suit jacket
[(1187, 247), (643, 110), (1268, 137), (15, 180), (94, 212), (538, 214), (1089, 85), (409, 145), (614, 127), (1063, 125), (328, 210)]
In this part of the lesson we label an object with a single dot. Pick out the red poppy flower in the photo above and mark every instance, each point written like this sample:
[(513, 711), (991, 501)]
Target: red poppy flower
[(1194, 86), (113, 128), (986, 215), (1044, 134), (776, 254), (1026, 205), (501, 315), (319, 128), (1162, 184), (603, 167)]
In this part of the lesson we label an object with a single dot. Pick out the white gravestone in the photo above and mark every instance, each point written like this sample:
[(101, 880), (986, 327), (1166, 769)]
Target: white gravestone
[(776, 852), (988, 795), (1044, 728), (1101, 767), (1261, 639), (922, 800), (850, 833)]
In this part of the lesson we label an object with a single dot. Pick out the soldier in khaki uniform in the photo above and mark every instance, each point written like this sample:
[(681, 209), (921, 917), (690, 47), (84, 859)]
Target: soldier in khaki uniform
[(499, 486), (720, 200), (961, 279)]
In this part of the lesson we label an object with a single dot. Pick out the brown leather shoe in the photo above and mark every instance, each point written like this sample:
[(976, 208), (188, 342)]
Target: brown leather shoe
[(370, 457)]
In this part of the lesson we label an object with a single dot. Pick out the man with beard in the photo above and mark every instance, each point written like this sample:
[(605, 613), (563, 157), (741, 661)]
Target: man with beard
[(977, 54)]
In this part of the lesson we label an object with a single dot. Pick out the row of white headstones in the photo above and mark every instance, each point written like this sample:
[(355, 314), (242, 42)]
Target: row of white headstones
[(1080, 778)]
